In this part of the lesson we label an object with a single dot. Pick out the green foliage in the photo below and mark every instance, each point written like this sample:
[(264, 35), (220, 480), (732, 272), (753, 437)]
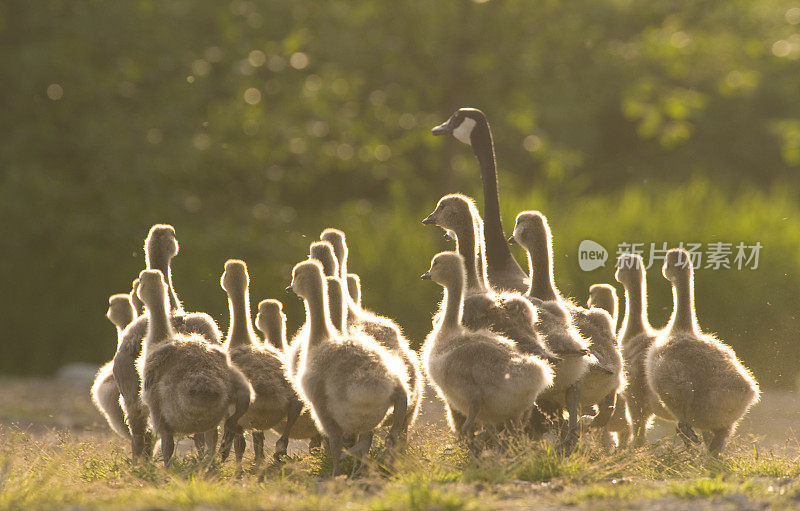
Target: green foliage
[(701, 488), (252, 125)]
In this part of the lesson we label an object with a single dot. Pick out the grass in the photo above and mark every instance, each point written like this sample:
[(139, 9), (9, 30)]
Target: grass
[(54, 470)]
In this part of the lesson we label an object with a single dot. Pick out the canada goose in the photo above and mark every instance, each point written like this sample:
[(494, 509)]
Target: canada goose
[(354, 287), (272, 322), (469, 125), (105, 393), (189, 384), (636, 336), (507, 313), (160, 247), (605, 377), (696, 376), (604, 296), (382, 329), (261, 364), (350, 382), (479, 374), (320, 251)]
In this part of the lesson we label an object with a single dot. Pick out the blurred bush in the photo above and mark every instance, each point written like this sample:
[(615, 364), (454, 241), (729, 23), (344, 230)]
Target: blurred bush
[(252, 125)]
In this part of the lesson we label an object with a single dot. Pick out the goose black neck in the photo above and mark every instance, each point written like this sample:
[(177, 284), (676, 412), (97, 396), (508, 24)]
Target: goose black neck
[(497, 251)]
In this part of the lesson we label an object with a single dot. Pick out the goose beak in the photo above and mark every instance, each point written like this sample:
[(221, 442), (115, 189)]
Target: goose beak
[(443, 129), (426, 276), (511, 240), (429, 220), (289, 289)]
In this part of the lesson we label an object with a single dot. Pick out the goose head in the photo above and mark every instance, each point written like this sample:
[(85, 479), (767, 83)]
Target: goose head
[(120, 310), (462, 124), (307, 280), (337, 239), (324, 252), (530, 228), (161, 242), (677, 265), (271, 319), (234, 279), (152, 288), (453, 213), (630, 270), (603, 296), (446, 268)]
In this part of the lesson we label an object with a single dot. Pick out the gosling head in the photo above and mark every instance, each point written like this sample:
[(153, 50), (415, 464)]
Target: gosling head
[(446, 268), (603, 296), (630, 270), (337, 240), (323, 252), (120, 310), (161, 241), (307, 280), (272, 321), (269, 312), (462, 124), (530, 228), (453, 212), (677, 265), (152, 288), (234, 279)]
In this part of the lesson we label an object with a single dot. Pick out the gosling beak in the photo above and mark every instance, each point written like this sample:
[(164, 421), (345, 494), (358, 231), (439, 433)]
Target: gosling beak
[(511, 240), (289, 289), (429, 220), (443, 129), (426, 276)]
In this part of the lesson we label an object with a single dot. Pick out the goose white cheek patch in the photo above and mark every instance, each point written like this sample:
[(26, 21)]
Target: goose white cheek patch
[(464, 130)]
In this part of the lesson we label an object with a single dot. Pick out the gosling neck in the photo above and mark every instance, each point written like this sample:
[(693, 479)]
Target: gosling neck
[(320, 328), (119, 335), (635, 321), (540, 268), (163, 263), (336, 306), (466, 246), (683, 317), (276, 334), (453, 304), (240, 331), (159, 328)]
